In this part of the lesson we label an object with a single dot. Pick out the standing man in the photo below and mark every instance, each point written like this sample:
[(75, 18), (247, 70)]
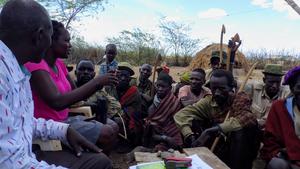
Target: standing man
[(190, 94), (214, 63), (25, 36), (110, 63), (264, 94)]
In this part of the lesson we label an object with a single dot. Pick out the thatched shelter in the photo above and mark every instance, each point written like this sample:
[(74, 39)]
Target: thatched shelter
[(202, 58)]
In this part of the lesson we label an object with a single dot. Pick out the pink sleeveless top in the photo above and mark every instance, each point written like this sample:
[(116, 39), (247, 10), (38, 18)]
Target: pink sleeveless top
[(41, 109)]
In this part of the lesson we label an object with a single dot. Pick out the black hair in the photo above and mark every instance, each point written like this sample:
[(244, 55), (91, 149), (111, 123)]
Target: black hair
[(293, 80), (165, 77), (111, 45), (56, 29), (200, 71), (89, 60), (224, 73)]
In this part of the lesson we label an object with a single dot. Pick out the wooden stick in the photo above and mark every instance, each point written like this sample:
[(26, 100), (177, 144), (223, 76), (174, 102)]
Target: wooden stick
[(158, 58), (240, 90), (228, 58), (223, 31)]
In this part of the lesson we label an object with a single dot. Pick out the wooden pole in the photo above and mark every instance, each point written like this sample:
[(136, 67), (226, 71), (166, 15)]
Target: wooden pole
[(240, 90), (158, 59), (223, 31)]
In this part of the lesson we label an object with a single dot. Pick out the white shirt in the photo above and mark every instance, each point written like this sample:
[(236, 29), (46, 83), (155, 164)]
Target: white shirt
[(17, 125)]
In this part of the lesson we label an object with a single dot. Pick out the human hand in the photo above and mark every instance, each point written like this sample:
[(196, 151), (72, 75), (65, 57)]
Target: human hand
[(109, 79), (79, 143), (234, 44), (205, 136), (261, 123), (190, 139), (171, 142)]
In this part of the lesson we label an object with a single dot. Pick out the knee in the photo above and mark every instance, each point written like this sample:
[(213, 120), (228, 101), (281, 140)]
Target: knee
[(102, 162), (106, 133), (113, 125), (277, 163)]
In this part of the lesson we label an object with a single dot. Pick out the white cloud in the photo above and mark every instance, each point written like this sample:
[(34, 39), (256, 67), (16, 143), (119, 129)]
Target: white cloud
[(214, 13), (282, 6), (262, 3), (279, 6)]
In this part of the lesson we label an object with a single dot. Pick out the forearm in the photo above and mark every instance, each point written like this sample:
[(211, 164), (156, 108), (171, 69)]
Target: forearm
[(231, 124), (188, 102), (63, 101), (49, 130), (159, 138)]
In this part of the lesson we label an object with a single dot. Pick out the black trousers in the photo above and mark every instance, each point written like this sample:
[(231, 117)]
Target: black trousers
[(238, 150)]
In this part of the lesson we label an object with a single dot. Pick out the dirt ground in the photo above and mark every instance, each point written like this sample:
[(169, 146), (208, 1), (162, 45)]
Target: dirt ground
[(120, 161)]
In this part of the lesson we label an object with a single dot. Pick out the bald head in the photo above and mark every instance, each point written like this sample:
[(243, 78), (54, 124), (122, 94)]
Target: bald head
[(25, 27), (145, 72), (22, 15)]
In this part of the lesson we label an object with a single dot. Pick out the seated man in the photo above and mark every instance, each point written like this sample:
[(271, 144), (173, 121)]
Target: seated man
[(25, 36), (190, 94), (145, 86), (161, 131), (239, 149), (184, 80), (264, 94), (282, 130), (85, 71), (130, 101)]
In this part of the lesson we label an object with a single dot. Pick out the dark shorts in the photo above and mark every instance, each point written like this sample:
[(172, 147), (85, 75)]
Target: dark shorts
[(89, 129)]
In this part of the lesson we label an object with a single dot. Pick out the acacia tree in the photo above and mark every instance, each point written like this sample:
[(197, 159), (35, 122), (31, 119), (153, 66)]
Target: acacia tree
[(136, 45), (68, 11), (177, 37)]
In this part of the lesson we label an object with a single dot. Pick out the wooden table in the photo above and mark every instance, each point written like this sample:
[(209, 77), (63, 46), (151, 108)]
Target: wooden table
[(204, 153)]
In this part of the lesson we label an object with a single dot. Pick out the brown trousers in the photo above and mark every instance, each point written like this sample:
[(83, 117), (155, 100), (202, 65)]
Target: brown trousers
[(68, 159)]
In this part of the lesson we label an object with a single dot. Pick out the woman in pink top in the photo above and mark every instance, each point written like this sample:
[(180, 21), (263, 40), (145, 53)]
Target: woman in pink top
[(54, 91)]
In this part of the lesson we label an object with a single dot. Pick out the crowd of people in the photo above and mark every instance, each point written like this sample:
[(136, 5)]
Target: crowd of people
[(258, 127)]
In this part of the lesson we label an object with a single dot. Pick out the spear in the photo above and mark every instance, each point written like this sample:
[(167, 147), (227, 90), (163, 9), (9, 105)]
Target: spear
[(223, 31)]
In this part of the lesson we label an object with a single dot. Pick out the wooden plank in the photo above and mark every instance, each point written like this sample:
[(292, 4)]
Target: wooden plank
[(206, 155)]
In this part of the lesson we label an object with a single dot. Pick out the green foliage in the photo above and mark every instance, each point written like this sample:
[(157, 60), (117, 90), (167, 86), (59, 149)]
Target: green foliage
[(177, 37), (67, 11), (136, 47), (81, 49)]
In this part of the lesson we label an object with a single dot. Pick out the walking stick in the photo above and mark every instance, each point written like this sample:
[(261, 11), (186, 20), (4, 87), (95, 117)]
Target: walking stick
[(228, 114), (158, 59), (223, 31)]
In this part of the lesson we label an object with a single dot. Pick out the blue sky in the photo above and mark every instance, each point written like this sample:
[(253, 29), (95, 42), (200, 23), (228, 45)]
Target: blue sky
[(268, 24)]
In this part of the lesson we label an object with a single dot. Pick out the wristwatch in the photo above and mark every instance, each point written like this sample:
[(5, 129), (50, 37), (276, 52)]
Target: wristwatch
[(164, 137)]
